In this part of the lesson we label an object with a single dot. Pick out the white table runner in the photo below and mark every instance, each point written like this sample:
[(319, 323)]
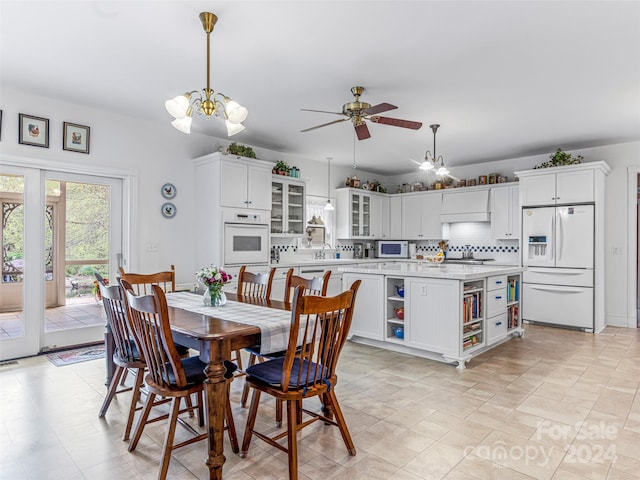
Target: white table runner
[(274, 324)]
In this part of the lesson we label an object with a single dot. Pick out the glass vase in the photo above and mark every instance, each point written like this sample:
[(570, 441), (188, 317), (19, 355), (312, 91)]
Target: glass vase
[(214, 297)]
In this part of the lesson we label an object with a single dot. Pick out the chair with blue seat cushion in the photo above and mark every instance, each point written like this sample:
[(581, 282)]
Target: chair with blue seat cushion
[(311, 286), (169, 375), (125, 355), (319, 329)]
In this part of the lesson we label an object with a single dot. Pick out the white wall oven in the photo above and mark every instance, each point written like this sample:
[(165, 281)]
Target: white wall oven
[(246, 238)]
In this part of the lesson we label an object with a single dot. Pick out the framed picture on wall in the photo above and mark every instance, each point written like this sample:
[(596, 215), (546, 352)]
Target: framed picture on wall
[(33, 130), (75, 138)]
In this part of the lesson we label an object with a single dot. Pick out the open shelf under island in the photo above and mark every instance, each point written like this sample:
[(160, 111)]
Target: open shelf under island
[(450, 313)]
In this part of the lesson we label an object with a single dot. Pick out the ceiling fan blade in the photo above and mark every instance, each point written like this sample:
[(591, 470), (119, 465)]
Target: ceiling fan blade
[(381, 107), (324, 125), (362, 131), (397, 122), (321, 111)]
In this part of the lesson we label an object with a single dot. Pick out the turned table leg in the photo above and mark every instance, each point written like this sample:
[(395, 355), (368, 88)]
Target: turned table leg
[(215, 400)]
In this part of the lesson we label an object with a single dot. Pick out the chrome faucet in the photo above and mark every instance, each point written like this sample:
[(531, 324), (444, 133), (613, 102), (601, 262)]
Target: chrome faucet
[(321, 253)]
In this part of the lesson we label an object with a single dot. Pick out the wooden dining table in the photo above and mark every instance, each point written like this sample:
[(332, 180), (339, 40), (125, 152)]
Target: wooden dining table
[(215, 339)]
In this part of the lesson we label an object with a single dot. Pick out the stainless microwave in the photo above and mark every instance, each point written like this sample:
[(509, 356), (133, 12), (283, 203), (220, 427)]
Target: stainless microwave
[(392, 249)]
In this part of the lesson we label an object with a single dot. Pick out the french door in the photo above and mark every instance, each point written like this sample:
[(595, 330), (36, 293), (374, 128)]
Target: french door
[(58, 228)]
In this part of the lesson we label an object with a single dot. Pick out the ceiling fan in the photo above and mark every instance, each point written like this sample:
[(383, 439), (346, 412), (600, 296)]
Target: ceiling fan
[(358, 112)]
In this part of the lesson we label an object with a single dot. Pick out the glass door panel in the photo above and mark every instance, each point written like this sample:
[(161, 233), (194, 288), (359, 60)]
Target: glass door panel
[(12, 242), (366, 215), (355, 215), (295, 213), (277, 207), (77, 245)]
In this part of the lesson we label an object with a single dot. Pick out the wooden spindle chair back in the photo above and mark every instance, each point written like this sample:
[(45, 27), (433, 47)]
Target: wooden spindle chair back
[(142, 282), (150, 321), (256, 285), (311, 286)]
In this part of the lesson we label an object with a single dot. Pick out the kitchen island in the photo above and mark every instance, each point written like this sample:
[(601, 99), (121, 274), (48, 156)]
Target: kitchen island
[(450, 313)]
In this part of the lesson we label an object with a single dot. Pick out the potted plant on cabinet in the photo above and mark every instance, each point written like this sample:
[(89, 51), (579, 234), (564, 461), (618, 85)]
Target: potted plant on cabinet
[(560, 158), (282, 168)]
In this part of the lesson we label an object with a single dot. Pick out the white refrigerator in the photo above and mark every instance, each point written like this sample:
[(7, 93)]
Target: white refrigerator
[(558, 251)]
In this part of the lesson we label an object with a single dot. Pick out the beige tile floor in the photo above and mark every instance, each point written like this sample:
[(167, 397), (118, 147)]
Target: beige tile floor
[(557, 404)]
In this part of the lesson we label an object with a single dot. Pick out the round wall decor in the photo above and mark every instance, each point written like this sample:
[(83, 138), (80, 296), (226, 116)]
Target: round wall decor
[(168, 191), (168, 210)]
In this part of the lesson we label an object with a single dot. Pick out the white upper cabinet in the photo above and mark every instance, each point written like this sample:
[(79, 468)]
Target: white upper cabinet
[(560, 185), (359, 214), (505, 213), (245, 184), (395, 218), (421, 216), (288, 207)]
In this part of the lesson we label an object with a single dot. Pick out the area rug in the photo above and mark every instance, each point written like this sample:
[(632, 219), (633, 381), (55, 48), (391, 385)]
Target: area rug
[(69, 357)]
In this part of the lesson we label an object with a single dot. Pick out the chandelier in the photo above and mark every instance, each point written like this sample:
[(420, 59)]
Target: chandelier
[(207, 102), (431, 161)]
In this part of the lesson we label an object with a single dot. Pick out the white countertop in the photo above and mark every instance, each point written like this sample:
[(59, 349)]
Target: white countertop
[(425, 270)]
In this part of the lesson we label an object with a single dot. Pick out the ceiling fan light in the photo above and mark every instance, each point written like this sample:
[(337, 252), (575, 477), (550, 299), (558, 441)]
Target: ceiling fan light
[(329, 206), (177, 106), (233, 128), (183, 124), (236, 113), (426, 165)]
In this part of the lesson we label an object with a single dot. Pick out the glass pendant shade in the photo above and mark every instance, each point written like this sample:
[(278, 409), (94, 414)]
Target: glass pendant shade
[(233, 128), (329, 206), (183, 124), (442, 171), (426, 165), (177, 106), (236, 113)]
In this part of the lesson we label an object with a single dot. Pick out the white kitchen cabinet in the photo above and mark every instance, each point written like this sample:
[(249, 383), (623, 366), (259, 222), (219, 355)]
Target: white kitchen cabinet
[(379, 216), (431, 313), (559, 185), (288, 207), (505, 213), (395, 218), (368, 318), (244, 183), (421, 216), (358, 214), (279, 279), (503, 305)]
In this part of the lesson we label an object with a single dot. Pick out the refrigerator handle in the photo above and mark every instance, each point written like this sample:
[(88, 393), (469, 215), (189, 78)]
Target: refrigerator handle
[(559, 234), (553, 235)]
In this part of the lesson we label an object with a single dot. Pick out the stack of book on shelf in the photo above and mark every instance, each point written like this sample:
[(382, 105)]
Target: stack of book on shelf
[(512, 316), (472, 307)]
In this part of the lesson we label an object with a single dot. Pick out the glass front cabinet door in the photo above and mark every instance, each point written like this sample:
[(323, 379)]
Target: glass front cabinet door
[(288, 207)]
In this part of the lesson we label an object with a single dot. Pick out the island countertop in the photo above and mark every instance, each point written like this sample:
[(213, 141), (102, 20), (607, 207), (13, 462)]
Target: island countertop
[(427, 270)]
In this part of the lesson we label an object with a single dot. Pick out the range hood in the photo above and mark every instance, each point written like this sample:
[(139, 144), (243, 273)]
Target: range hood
[(465, 206)]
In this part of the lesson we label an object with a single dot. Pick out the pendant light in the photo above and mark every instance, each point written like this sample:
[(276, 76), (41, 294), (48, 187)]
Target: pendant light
[(431, 161), (328, 206), (207, 102)]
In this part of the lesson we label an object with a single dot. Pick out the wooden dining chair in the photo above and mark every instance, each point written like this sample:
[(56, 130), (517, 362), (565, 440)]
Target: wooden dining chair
[(142, 282), (255, 285), (310, 286), (319, 329), (169, 375), (126, 355)]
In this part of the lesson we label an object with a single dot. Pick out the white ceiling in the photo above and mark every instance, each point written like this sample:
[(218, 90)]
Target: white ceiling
[(504, 79)]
